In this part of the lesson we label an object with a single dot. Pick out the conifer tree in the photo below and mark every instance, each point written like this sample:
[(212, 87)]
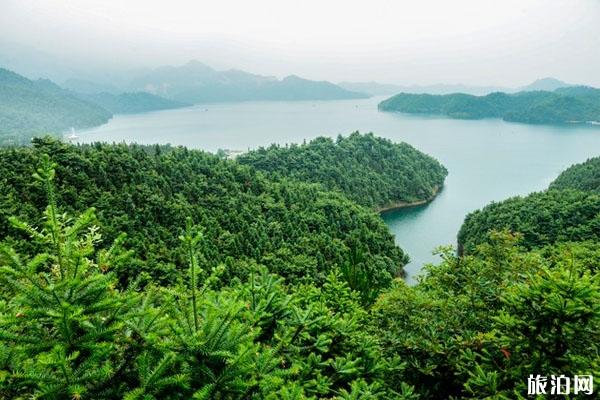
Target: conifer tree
[(61, 319), (210, 351)]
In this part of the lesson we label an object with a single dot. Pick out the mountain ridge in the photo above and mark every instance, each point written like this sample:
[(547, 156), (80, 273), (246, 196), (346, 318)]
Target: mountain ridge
[(35, 107), (131, 102), (548, 84), (30, 108), (374, 88), (196, 82), (577, 104)]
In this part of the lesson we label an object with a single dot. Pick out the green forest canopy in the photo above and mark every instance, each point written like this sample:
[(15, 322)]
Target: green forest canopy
[(76, 323), (296, 229), (568, 211), (584, 176), (542, 218), (564, 105), (372, 171)]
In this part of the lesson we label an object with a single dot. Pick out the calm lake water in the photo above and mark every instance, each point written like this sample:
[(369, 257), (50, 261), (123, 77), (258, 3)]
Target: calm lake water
[(487, 160)]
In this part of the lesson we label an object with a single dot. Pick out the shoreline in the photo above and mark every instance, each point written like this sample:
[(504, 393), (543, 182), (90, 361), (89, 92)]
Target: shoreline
[(403, 204)]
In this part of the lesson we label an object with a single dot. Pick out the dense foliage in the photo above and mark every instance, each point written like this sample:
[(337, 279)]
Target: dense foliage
[(369, 170), (476, 327), (67, 332), (30, 108), (542, 218), (565, 105), (584, 176), (296, 229), (84, 316), (131, 103), (516, 303)]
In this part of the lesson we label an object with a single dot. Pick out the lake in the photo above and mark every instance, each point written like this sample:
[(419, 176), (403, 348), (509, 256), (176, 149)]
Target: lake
[(488, 160)]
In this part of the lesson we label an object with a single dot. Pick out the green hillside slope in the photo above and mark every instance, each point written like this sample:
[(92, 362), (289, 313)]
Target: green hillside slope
[(369, 170), (29, 108)]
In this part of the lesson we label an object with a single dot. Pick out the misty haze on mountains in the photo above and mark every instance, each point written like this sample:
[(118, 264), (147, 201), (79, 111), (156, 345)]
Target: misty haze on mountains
[(463, 44)]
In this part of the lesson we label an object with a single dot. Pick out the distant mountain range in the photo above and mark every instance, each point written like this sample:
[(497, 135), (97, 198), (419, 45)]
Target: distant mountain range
[(131, 103), (571, 104), (545, 84), (84, 86), (196, 82), (380, 89), (29, 108), (36, 107)]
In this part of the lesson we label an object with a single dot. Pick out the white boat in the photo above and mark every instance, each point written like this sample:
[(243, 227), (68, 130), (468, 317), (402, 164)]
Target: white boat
[(72, 136), (232, 154)]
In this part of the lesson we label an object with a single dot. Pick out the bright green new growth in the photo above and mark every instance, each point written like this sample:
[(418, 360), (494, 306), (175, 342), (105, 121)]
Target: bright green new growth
[(191, 240), (62, 322), (67, 332), (475, 327)]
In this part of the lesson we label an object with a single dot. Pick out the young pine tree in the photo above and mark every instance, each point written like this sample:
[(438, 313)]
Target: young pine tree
[(62, 322), (211, 350)]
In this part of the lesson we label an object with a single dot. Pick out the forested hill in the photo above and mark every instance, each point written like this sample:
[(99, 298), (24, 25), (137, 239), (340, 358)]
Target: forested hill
[(296, 229), (33, 108), (568, 211), (542, 218), (131, 103), (233, 286), (584, 176), (564, 105), (369, 170), (29, 108)]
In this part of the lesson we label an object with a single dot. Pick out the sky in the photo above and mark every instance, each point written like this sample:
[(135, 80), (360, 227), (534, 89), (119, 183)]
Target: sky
[(475, 42)]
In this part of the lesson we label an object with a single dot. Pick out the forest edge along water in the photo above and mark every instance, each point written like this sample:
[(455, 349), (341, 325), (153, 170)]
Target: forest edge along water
[(403, 204), (487, 160)]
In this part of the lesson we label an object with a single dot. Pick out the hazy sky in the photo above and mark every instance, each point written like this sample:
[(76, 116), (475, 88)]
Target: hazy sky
[(480, 42)]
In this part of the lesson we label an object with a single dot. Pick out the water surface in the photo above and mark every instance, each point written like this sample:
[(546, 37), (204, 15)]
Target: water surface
[(488, 160)]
